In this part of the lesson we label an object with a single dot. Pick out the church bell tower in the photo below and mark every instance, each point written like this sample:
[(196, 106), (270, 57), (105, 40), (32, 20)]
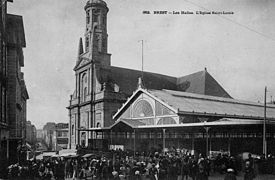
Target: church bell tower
[(96, 37)]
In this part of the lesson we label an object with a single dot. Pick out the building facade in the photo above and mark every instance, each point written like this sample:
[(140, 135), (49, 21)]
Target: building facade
[(17, 91), (100, 88), (14, 93), (31, 133), (39, 134), (61, 136), (48, 135), (4, 130)]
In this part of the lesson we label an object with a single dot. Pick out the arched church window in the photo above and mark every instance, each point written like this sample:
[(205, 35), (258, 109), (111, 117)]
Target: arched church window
[(104, 21), (88, 17), (85, 79), (95, 15), (87, 43), (84, 86), (142, 108), (85, 93)]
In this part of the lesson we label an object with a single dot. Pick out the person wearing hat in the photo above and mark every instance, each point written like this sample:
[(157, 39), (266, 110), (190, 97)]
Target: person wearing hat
[(249, 173), (230, 175), (115, 175), (153, 172)]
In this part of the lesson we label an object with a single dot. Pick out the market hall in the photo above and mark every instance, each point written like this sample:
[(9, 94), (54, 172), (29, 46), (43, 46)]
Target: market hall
[(167, 120)]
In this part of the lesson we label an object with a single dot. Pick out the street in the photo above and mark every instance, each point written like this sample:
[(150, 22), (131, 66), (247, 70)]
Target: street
[(239, 177)]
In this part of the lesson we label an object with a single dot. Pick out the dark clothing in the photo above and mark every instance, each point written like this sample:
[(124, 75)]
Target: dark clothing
[(60, 171), (202, 176), (230, 176), (249, 174)]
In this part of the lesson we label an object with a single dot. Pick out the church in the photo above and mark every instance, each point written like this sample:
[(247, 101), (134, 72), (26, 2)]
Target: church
[(104, 93)]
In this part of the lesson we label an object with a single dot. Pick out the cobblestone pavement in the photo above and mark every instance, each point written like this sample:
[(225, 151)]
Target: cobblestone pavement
[(212, 177), (240, 177)]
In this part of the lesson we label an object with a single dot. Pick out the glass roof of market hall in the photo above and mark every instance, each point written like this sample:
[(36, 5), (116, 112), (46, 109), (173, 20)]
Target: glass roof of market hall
[(149, 108)]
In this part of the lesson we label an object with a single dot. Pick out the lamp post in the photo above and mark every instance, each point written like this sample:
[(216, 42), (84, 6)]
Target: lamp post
[(207, 146), (264, 126), (134, 143), (163, 139)]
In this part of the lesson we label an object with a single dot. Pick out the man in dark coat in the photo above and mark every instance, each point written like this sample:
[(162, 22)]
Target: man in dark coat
[(230, 175), (249, 173)]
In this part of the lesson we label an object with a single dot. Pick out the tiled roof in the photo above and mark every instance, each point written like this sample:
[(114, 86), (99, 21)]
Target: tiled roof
[(201, 83), (127, 79), (196, 103)]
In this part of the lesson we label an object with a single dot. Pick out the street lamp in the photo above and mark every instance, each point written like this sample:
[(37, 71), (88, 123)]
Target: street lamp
[(264, 126), (207, 130)]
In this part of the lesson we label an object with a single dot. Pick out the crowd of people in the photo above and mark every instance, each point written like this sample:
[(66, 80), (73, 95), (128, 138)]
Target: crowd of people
[(143, 166)]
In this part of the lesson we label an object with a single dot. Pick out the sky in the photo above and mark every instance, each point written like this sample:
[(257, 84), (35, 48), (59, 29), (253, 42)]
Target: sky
[(237, 49)]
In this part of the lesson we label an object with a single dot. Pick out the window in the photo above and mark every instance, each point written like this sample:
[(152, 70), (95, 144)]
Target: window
[(142, 109), (95, 15), (72, 130), (126, 114), (104, 20), (98, 116), (166, 120), (162, 110), (85, 93), (83, 139), (98, 125), (59, 134), (87, 43), (147, 121), (88, 17), (84, 84)]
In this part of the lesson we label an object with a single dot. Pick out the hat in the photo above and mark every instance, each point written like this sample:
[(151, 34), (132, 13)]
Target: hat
[(114, 173), (230, 170)]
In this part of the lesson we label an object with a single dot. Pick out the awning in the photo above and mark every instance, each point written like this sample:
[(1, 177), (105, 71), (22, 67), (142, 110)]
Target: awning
[(221, 122), (136, 124), (95, 129), (88, 155), (67, 152)]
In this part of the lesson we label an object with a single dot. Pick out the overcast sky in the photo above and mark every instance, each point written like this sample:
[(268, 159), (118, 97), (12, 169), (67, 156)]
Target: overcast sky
[(238, 50)]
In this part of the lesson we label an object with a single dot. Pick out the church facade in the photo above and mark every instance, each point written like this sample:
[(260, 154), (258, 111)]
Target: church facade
[(101, 89)]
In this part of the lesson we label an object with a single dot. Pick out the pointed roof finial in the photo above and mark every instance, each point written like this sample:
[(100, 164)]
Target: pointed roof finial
[(140, 83), (80, 47), (205, 69)]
